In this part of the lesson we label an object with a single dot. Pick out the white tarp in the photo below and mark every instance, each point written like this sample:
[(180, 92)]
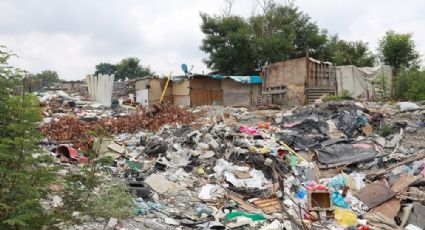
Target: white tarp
[(100, 88), (362, 81), (142, 97)]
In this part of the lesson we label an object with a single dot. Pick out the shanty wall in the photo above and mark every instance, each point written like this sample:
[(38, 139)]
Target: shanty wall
[(298, 81), (205, 91), (208, 91), (181, 93), (155, 88), (239, 94), (288, 77)]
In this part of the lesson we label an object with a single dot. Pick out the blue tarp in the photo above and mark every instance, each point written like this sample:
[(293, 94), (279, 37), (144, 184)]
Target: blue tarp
[(242, 79)]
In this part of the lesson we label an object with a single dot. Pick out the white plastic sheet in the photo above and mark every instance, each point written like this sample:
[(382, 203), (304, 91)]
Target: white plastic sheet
[(359, 81), (100, 88)]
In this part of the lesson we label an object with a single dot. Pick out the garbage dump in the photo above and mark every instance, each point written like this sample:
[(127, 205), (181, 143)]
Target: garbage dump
[(333, 165)]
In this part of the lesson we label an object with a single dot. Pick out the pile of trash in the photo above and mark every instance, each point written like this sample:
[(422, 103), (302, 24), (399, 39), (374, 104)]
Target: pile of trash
[(79, 125), (325, 166)]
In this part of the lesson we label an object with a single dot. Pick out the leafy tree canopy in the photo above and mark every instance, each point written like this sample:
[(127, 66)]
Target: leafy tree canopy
[(127, 68), (398, 49), (47, 77), (131, 68), (105, 68), (26, 173), (237, 45), (341, 52)]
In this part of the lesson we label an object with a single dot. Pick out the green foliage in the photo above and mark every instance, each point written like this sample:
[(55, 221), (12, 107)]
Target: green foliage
[(410, 85), (229, 45), (397, 50), (79, 191), (341, 52), (25, 172), (105, 68), (47, 77), (127, 68), (386, 130), (382, 86), (283, 32), (115, 201), (342, 96), (237, 45), (130, 68)]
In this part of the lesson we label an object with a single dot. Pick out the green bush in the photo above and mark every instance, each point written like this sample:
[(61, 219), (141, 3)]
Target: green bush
[(342, 96), (115, 201), (410, 85), (26, 173), (386, 130)]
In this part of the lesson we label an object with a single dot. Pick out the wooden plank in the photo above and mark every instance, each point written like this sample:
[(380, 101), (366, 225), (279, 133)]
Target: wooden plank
[(242, 203), (268, 206), (380, 172)]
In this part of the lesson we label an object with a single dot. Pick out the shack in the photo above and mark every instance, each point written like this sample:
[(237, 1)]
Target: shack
[(298, 81), (215, 90), (75, 87), (149, 90)]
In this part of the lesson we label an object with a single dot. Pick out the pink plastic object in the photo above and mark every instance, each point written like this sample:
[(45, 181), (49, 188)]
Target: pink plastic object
[(248, 130)]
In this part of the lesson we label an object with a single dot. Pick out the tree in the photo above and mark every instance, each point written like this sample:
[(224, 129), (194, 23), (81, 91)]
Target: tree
[(25, 172), (410, 84), (229, 45), (48, 77), (341, 52), (131, 68), (284, 32), (105, 68), (236, 45), (397, 50)]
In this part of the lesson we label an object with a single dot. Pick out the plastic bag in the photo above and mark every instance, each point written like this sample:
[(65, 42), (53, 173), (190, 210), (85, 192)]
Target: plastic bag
[(338, 200), (406, 106), (263, 125), (345, 217), (253, 216), (339, 181), (248, 130)]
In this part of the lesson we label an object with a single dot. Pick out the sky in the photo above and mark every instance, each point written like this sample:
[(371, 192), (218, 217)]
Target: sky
[(72, 36)]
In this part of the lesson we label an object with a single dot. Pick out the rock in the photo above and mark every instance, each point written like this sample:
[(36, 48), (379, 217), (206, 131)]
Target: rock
[(171, 221), (411, 129), (208, 154), (203, 146), (278, 216), (161, 185), (57, 201), (111, 224), (155, 197), (86, 218), (153, 224), (214, 144), (100, 219)]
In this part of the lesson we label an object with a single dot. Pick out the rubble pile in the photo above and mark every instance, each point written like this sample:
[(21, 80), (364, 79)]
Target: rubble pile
[(72, 128), (324, 166)]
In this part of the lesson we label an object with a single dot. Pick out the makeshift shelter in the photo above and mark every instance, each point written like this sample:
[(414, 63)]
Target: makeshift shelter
[(364, 82), (149, 90), (197, 90), (298, 81)]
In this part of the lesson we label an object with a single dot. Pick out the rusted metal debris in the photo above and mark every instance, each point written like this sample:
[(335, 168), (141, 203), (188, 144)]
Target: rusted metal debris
[(72, 128)]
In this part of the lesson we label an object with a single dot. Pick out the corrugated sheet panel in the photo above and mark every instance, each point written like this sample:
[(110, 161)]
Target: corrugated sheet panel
[(182, 100), (181, 89)]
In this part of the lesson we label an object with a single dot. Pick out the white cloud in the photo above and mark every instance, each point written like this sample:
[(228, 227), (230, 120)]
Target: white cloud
[(72, 36)]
